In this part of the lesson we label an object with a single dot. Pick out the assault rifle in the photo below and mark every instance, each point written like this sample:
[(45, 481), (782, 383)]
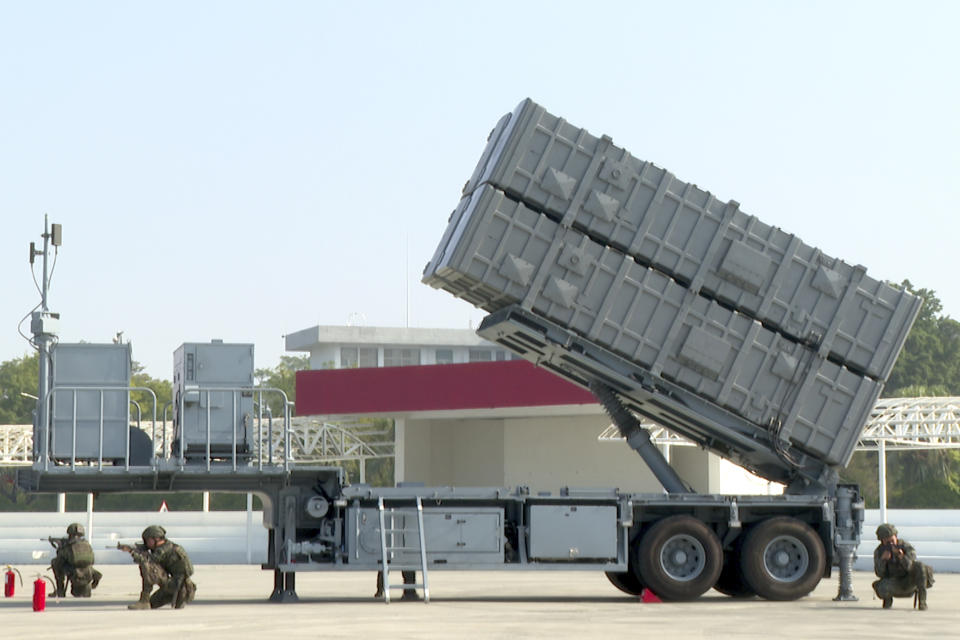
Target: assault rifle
[(56, 543)]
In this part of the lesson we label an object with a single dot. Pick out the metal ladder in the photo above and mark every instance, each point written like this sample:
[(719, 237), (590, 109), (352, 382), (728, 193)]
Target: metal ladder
[(397, 536)]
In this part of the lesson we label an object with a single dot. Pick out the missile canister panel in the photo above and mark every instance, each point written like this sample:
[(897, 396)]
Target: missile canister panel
[(90, 401), (213, 398), (573, 229)]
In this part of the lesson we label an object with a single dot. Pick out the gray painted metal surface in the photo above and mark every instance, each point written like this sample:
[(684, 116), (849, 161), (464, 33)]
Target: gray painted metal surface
[(641, 210), (687, 292), (210, 407), (90, 411)]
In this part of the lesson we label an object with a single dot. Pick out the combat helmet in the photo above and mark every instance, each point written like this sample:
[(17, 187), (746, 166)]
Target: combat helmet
[(76, 529), (885, 531), (154, 531)]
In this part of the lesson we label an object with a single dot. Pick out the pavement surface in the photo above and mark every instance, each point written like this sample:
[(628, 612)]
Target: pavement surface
[(232, 603)]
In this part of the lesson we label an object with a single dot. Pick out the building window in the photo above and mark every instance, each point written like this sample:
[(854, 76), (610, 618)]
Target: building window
[(481, 355), (398, 357), (353, 357), (444, 356)]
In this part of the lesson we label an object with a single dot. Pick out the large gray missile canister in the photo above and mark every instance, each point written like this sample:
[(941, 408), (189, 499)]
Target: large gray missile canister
[(588, 183), (693, 293), (90, 408), (516, 256), (213, 399)]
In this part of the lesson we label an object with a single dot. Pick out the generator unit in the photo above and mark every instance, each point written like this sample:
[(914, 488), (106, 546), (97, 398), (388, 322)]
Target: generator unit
[(212, 400), (90, 401)]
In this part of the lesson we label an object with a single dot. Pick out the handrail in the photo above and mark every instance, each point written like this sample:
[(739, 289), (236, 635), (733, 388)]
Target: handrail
[(205, 392), (73, 389)]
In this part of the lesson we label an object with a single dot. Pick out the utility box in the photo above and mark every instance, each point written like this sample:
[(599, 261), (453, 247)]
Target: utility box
[(90, 408), (572, 532), (212, 400)]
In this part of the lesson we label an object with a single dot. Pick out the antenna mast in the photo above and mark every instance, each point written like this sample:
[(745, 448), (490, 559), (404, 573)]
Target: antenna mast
[(44, 326)]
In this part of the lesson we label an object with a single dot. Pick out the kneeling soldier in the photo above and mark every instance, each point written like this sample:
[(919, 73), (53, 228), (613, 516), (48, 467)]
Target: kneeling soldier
[(165, 564), (74, 563)]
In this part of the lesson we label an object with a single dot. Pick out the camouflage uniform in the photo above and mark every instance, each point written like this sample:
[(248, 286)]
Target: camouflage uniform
[(168, 567), (901, 575), (74, 564)]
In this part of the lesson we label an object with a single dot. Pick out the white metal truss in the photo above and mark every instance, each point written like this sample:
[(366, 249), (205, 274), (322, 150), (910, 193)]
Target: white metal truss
[(900, 423), (311, 441), (913, 423), (16, 444)]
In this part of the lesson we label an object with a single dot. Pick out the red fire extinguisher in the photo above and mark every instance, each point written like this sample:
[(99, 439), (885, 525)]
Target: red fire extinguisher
[(40, 593), (9, 584)]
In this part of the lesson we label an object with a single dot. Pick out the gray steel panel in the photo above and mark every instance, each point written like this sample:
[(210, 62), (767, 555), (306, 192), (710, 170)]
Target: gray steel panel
[(571, 532), (644, 211), (93, 366), (453, 535), (199, 368), (516, 255)]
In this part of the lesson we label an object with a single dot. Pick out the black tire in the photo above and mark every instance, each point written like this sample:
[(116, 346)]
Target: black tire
[(626, 582), (679, 558), (731, 582), (782, 559)]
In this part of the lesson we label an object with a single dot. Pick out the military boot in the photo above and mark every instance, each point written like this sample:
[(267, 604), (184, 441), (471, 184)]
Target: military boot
[(142, 603)]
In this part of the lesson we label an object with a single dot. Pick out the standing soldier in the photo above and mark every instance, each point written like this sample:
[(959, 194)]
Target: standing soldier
[(901, 575), (165, 564), (74, 563)]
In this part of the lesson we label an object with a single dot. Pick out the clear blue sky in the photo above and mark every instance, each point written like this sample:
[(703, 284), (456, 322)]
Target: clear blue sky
[(242, 170)]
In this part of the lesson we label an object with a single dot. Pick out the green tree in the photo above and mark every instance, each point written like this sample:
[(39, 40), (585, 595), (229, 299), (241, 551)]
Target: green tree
[(931, 354), (18, 377), (928, 366), (283, 377), (163, 389)]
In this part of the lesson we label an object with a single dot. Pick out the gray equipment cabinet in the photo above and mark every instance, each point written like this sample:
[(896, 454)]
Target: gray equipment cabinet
[(212, 400), (90, 412)]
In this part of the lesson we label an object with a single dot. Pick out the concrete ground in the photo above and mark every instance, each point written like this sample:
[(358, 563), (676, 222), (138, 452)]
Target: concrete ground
[(232, 603)]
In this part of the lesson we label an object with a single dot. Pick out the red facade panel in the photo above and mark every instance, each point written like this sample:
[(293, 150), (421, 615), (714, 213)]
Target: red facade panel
[(476, 385)]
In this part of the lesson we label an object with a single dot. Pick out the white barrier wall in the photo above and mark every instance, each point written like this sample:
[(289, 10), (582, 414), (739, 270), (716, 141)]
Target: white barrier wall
[(214, 537), (934, 533), (239, 537)]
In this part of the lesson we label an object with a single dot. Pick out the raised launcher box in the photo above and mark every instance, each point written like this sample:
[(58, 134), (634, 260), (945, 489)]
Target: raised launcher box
[(213, 400), (522, 258), (90, 408), (588, 183)]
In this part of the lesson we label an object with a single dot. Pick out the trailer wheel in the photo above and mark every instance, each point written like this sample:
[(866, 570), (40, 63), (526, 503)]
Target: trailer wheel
[(679, 558), (626, 582), (783, 559), (731, 582)]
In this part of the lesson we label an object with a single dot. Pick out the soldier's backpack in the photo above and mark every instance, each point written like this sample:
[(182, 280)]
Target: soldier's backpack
[(187, 565), (79, 554), (928, 574)]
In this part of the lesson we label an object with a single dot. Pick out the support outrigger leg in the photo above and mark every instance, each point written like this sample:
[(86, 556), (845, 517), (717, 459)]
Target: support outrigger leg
[(284, 586)]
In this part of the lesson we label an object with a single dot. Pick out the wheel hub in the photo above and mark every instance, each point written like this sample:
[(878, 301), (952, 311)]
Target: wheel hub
[(682, 558), (786, 559)]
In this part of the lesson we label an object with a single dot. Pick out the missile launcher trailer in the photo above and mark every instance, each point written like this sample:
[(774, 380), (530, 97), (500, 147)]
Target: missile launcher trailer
[(672, 305), (667, 304)]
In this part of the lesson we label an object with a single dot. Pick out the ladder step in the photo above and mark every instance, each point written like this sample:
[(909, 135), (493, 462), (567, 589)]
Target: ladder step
[(407, 586)]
